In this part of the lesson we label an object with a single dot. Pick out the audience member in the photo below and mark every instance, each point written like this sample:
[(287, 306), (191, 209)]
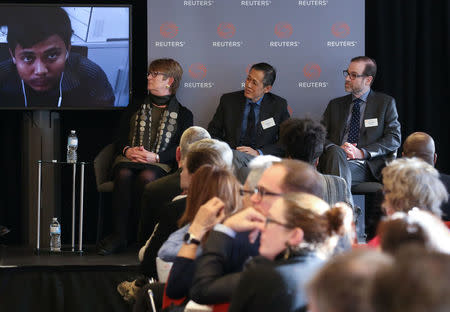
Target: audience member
[(149, 135), (160, 192), (213, 195), (249, 120), (362, 128), (418, 281), (341, 285), (421, 145), (304, 139), (203, 152), (300, 232), (409, 183), (228, 246), (414, 227)]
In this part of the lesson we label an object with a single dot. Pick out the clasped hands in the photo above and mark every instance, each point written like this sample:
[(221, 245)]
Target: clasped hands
[(212, 212), (140, 154), (352, 151), (247, 150)]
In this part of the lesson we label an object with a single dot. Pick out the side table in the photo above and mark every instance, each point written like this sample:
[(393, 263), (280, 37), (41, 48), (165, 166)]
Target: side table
[(81, 165)]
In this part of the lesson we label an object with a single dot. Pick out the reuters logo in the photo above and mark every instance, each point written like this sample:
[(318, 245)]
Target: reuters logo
[(168, 30), (226, 30), (340, 29), (197, 71), (312, 71), (283, 30)]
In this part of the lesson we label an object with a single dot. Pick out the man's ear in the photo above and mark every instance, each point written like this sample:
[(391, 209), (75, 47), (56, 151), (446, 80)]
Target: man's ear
[(12, 56), (267, 89), (178, 155), (435, 158)]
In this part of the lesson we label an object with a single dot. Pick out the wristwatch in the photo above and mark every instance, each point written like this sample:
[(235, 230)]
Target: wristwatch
[(190, 239)]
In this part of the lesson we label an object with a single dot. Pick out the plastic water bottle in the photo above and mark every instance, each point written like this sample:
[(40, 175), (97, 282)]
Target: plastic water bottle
[(72, 145), (55, 235)]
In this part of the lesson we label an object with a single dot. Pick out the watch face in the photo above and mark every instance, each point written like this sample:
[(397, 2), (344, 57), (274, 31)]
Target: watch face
[(186, 237)]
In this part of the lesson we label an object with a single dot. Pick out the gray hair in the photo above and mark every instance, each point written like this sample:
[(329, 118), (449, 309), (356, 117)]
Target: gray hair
[(221, 147), (257, 166), (411, 182), (191, 135)]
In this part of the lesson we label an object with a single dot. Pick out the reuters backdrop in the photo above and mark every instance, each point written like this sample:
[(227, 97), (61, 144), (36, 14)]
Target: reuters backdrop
[(309, 42)]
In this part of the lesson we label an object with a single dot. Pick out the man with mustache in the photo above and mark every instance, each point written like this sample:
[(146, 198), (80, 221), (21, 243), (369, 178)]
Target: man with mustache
[(249, 120), (363, 130), (42, 70)]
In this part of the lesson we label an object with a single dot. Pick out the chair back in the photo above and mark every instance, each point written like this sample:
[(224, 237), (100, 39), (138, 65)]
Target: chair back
[(163, 269), (102, 164)]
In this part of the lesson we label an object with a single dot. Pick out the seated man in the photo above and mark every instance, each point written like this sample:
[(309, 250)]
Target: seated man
[(249, 120), (421, 145), (362, 127), (42, 71), (160, 192)]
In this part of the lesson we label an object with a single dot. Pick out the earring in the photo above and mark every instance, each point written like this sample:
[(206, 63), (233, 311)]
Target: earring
[(167, 86), (287, 252)]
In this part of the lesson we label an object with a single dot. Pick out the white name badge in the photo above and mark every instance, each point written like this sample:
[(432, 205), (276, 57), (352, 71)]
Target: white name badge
[(268, 123), (371, 122)]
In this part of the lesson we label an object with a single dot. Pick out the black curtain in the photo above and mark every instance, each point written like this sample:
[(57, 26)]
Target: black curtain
[(410, 40)]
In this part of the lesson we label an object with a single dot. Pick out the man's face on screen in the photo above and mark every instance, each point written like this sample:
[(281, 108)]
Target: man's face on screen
[(41, 65)]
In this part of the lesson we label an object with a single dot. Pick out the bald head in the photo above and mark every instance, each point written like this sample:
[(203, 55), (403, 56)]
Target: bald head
[(421, 145)]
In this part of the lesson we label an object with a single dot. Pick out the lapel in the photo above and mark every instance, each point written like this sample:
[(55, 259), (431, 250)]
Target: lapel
[(342, 115), (369, 112), (237, 122)]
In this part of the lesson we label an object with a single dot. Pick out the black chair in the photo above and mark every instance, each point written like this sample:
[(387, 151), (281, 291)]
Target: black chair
[(102, 168), (367, 197)]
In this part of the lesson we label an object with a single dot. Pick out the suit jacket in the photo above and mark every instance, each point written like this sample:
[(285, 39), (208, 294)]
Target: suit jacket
[(278, 285), (226, 124), (445, 179), (381, 141), (219, 267)]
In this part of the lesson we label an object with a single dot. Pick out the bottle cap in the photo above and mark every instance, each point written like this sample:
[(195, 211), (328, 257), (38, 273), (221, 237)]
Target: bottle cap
[(55, 219), (72, 131)]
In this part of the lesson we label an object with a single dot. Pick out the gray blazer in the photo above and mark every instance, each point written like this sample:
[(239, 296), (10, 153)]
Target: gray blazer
[(381, 141)]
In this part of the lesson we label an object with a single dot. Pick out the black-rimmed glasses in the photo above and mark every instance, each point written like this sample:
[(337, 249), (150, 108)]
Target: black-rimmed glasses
[(270, 220), (353, 76), (156, 73), (259, 190)]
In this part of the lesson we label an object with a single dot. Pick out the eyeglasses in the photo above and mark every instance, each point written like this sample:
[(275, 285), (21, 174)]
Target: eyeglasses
[(353, 76), (156, 73), (270, 220), (259, 190)]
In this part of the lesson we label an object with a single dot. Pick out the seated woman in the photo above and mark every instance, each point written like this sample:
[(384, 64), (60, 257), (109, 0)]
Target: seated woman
[(150, 133), (300, 232), (409, 183)]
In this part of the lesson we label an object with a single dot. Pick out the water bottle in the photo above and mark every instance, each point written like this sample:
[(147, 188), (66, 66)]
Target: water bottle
[(55, 235), (72, 145)]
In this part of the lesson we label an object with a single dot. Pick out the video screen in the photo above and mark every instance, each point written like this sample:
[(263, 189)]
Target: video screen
[(64, 57)]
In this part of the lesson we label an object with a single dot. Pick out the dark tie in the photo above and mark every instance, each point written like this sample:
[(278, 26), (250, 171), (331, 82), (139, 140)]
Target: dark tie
[(353, 130), (250, 132)]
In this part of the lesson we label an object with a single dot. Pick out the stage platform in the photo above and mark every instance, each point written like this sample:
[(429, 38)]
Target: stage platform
[(64, 282)]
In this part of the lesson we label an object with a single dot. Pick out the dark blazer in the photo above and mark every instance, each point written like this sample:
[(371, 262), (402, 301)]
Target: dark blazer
[(275, 285), (445, 179), (184, 121), (218, 268), (227, 121), (381, 142)]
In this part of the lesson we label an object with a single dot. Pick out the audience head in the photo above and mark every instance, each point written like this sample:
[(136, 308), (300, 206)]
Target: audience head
[(418, 281), (303, 139), (39, 44), (257, 166), (205, 152), (164, 76), (259, 81), (286, 176), (360, 75), (411, 182), (414, 227), (208, 182), (299, 222), (341, 285), (421, 145), (189, 136)]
